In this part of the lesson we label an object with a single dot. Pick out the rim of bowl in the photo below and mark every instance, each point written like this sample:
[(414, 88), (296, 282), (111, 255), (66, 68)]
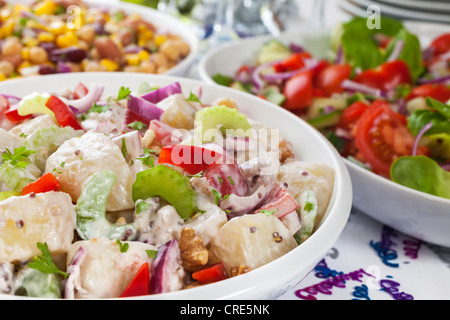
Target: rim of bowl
[(335, 217), (393, 185)]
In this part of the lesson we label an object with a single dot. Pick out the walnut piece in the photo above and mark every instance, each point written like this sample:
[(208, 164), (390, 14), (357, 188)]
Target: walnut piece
[(286, 151), (150, 141), (193, 254)]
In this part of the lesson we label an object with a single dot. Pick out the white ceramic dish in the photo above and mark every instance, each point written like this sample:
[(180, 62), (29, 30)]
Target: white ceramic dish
[(270, 280), (162, 21), (414, 213)]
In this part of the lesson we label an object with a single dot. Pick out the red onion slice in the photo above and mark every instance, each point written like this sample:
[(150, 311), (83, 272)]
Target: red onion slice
[(84, 104), (73, 282), (419, 136), (355, 86)]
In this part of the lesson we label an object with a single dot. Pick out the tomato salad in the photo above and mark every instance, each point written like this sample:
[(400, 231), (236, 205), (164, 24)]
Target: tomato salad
[(382, 100), (145, 192), (61, 36)]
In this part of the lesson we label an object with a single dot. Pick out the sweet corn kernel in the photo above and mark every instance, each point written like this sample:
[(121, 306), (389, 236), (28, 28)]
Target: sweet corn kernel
[(160, 39), (144, 55), (33, 24), (67, 40), (25, 53), (2, 76), (46, 37), (109, 64), (45, 7), (5, 13), (132, 59), (57, 27), (30, 42), (8, 28)]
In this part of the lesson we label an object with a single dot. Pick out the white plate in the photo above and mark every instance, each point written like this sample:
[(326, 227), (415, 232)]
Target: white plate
[(272, 279), (403, 13), (163, 22), (414, 213)]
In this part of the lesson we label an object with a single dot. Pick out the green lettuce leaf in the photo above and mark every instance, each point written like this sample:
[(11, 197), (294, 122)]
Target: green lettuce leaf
[(423, 174)]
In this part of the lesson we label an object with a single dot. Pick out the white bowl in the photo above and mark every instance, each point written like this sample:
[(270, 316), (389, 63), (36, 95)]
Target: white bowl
[(414, 213), (163, 22), (274, 278)]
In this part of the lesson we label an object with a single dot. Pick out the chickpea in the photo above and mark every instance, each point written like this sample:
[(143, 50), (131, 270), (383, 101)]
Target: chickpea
[(175, 49), (7, 68), (160, 59), (93, 66), (87, 33), (38, 55), (11, 46), (147, 67)]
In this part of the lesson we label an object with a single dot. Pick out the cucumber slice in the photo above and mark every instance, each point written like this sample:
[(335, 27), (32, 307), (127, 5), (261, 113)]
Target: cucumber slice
[(319, 104), (308, 213), (273, 50), (162, 181), (274, 95), (326, 120), (220, 118)]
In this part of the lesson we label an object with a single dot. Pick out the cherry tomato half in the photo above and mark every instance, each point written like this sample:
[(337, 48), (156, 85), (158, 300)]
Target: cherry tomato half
[(441, 44), (387, 76), (436, 91), (329, 79), (382, 137), (298, 91)]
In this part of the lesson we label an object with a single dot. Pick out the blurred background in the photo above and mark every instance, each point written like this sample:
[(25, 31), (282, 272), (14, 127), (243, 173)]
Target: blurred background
[(224, 20)]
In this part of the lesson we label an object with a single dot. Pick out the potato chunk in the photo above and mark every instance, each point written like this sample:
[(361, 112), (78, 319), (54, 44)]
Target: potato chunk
[(26, 220), (90, 153), (252, 240), (106, 271), (301, 176)]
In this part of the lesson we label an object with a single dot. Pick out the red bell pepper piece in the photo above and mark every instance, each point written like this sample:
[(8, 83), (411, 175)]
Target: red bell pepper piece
[(46, 183), (11, 111), (140, 285), (192, 159), (212, 273), (293, 62), (64, 116)]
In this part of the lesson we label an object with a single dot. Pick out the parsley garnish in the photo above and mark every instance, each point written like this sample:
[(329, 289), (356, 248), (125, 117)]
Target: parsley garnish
[(137, 125), (269, 212), (217, 196), (151, 253), (18, 157), (44, 262), (231, 180), (194, 98), (220, 180), (148, 159), (123, 247), (197, 175), (124, 148), (123, 93), (141, 206), (98, 108), (308, 206)]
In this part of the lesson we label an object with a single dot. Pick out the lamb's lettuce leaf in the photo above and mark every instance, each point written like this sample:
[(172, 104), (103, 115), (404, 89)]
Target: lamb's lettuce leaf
[(423, 174)]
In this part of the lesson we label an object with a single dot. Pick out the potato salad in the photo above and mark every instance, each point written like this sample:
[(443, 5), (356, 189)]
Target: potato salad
[(145, 192)]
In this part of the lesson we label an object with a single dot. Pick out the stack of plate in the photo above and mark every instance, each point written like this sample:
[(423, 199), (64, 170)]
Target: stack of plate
[(437, 11)]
